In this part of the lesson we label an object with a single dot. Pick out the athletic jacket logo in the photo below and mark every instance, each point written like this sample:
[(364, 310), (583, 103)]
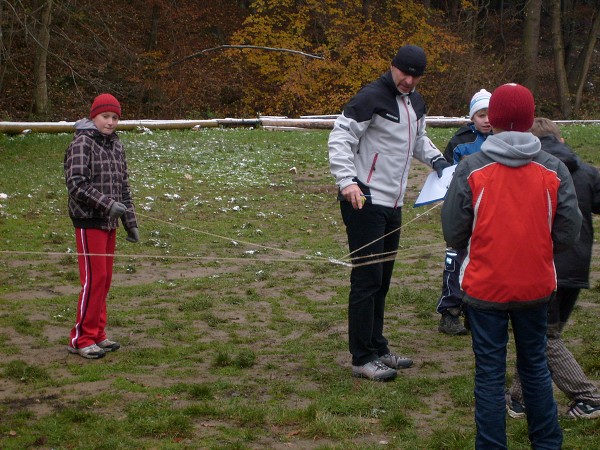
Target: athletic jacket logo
[(391, 116)]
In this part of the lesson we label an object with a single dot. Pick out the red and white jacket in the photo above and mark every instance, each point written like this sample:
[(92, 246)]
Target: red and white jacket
[(510, 205)]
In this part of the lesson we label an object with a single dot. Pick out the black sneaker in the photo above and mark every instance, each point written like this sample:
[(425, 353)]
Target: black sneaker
[(515, 409), (580, 410), (450, 324)]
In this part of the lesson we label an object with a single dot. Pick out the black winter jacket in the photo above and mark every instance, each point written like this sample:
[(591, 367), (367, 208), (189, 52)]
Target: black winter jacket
[(573, 265)]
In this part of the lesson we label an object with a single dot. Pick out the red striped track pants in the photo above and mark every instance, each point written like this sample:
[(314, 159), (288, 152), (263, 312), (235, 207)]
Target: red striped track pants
[(96, 250)]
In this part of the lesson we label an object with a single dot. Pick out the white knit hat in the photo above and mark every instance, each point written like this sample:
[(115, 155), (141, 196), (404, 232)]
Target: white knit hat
[(479, 101)]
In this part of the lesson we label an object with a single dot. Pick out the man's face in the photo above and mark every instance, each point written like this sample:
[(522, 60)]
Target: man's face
[(403, 81), (106, 122)]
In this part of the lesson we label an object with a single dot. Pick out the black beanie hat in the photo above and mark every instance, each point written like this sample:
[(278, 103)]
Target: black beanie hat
[(411, 60)]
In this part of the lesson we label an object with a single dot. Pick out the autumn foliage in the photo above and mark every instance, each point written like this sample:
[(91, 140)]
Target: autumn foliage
[(165, 59)]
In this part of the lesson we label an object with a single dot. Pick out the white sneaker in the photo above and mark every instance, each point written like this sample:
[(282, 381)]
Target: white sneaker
[(89, 352), (374, 370), (108, 345)]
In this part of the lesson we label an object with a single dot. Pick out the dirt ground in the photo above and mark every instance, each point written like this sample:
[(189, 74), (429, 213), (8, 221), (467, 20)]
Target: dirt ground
[(449, 362)]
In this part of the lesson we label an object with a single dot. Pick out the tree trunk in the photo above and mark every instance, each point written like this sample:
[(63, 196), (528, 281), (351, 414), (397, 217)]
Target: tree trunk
[(531, 39), (154, 22), (367, 8), (40, 99), (579, 74), (569, 26), (564, 96), (3, 46)]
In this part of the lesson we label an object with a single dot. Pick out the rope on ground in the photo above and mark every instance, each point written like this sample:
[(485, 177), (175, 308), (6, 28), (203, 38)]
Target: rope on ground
[(295, 256)]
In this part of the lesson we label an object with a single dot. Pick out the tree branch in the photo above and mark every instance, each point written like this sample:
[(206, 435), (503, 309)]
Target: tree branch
[(221, 47)]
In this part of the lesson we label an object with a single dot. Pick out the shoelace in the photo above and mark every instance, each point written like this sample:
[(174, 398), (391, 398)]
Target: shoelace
[(395, 357), (380, 365)]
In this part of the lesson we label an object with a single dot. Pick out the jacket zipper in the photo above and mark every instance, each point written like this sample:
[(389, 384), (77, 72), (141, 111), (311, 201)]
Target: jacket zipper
[(372, 167)]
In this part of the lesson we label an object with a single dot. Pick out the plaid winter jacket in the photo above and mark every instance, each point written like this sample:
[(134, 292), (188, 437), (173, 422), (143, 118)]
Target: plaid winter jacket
[(96, 177)]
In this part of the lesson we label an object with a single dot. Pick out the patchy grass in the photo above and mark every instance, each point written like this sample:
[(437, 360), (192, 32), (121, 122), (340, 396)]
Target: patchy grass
[(232, 308)]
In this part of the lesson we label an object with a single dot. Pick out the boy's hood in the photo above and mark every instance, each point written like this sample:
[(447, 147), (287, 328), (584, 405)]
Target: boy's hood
[(511, 148), (551, 144), (85, 124)]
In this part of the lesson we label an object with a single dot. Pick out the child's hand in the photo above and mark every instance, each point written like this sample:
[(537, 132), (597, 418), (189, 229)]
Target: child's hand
[(133, 235), (117, 209)]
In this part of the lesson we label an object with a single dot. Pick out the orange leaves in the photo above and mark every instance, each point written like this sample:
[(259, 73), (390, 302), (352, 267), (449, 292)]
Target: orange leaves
[(358, 43)]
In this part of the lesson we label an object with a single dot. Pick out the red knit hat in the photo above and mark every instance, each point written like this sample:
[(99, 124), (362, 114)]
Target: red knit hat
[(511, 108), (105, 103)]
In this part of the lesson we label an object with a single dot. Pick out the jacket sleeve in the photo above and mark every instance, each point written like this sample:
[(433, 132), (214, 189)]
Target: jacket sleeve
[(567, 220), (425, 150), (343, 144), (449, 151), (595, 187), (457, 210), (129, 218)]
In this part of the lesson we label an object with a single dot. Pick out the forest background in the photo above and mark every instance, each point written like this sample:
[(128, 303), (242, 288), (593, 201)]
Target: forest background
[(165, 59)]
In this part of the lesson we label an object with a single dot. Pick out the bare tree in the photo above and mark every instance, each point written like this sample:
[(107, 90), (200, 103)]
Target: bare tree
[(3, 43), (559, 60), (531, 38), (570, 78), (580, 71), (40, 97)]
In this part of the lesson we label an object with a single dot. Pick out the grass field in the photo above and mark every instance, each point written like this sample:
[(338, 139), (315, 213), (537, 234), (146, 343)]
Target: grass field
[(231, 310)]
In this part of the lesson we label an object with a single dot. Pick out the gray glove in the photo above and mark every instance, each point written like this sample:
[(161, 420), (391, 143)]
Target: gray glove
[(117, 209), (133, 235), (439, 165)]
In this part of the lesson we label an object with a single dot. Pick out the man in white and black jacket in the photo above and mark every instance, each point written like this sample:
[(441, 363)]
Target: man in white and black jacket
[(370, 150)]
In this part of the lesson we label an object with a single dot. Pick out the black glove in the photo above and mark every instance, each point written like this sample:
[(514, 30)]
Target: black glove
[(133, 235), (439, 165), (117, 209)]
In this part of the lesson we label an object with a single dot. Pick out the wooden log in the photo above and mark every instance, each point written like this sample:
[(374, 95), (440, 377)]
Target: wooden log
[(308, 122), (231, 123), (323, 124), (124, 125)]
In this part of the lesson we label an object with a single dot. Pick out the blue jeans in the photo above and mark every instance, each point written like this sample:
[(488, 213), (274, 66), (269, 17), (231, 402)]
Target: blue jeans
[(489, 331), (369, 284)]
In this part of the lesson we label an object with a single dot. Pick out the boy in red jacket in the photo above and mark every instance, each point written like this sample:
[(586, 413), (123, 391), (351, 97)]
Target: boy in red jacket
[(510, 205)]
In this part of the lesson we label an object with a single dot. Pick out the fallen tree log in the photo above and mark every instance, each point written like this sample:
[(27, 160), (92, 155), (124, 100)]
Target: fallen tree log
[(304, 122)]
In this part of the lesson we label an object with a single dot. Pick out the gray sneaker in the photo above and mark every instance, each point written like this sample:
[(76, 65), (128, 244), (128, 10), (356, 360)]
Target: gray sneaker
[(374, 370), (515, 409), (108, 345), (89, 352), (581, 410), (396, 361), (450, 324)]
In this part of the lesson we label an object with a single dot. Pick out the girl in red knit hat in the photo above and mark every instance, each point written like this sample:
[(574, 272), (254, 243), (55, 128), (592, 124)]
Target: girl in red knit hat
[(99, 195)]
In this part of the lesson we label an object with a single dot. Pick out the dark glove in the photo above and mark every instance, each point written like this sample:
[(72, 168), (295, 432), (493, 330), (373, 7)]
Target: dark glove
[(117, 209), (439, 165), (133, 235)]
